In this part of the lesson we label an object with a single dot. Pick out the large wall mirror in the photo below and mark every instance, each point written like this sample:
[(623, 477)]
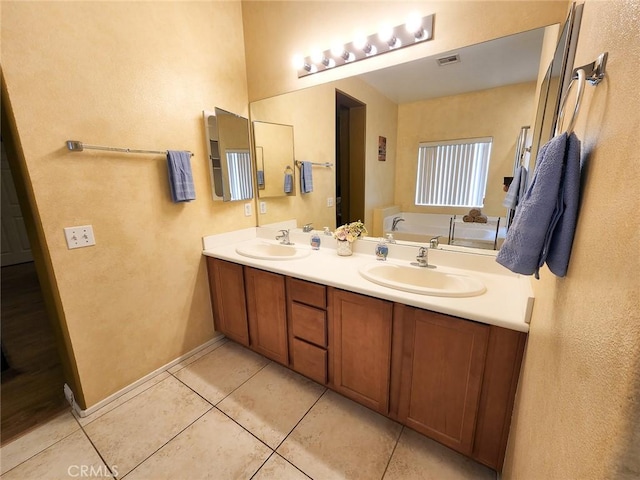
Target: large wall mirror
[(229, 151), (275, 160), (485, 90)]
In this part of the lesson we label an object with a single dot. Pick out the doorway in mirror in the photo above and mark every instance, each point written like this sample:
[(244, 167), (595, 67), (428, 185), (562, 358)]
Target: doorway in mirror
[(350, 158)]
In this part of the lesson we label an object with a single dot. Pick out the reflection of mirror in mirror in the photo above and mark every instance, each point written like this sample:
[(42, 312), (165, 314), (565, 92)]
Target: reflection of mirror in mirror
[(229, 155), (554, 81), (505, 70), (275, 159)]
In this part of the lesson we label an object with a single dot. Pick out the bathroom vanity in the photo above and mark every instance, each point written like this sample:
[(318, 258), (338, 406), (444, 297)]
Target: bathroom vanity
[(450, 378)]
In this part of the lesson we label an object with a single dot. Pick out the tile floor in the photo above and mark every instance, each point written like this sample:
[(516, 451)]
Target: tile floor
[(228, 413)]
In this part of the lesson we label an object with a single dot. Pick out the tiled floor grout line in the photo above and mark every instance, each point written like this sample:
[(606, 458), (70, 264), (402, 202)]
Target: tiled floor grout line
[(45, 448), (168, 441), (186, 385), (104, 461), (298, 422), (245, 429), (392, 452)]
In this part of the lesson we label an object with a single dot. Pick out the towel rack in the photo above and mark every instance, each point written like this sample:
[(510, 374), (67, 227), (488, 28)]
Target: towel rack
[(325, 164), (593, 73), (77, 146)]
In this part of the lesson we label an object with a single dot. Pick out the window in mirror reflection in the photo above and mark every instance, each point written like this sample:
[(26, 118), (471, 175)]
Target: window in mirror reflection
[(453, 173)]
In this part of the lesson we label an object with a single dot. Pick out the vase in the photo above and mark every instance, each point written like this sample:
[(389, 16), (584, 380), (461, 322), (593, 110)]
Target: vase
[(344, 248)]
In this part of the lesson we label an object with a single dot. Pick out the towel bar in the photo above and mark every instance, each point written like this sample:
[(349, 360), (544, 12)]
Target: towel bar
[(325, 164), (77, 146)]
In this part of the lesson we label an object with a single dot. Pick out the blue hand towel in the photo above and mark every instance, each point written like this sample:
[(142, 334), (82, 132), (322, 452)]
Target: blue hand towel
[(260, 177), (511, 199), (180, 176), (288, 182), (559, 250), (536, 222), (306, 177)]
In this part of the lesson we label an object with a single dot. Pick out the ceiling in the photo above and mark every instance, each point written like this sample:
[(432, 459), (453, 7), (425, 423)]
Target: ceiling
[(504, 61)]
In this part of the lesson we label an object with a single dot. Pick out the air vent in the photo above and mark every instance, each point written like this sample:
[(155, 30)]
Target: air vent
[(448, 60)]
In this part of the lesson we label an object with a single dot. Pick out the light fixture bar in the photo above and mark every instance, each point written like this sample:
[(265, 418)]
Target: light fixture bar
[(373, 46)]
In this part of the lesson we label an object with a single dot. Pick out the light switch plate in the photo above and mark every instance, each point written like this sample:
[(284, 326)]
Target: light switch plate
[(247, 209), (329, 201), (80, 236), (263, 207)]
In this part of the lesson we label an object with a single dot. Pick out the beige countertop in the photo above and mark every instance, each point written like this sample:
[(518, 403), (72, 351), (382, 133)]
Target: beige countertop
[(507, 302)]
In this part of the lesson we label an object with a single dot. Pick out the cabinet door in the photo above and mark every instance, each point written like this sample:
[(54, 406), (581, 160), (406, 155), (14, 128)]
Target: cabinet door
[(267, 313), (360, 348), (226, 281), (443, 362)]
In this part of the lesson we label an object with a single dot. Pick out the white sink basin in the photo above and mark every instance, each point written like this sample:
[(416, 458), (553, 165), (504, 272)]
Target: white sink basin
[(425, 281), (272, 251)]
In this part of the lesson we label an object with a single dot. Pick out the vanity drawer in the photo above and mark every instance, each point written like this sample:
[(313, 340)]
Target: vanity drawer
[(307, 292), (309, 323), (310, 361)]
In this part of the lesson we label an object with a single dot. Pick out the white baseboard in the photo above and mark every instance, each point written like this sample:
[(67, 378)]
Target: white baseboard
[(83, 413)]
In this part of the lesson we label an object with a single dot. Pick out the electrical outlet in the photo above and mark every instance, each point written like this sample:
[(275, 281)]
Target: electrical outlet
[(247, 209), (78, 237), (263, 207), (329, 201), (68, 394)]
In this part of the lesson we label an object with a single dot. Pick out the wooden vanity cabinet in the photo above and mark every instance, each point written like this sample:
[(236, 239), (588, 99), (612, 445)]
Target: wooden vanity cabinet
[(360, 354), (440, 366), (308, 342), (454, 380), (267, 314), (228, 301)]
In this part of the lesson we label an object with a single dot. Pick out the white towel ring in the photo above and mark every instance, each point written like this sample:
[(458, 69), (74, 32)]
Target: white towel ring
[(574, 117)]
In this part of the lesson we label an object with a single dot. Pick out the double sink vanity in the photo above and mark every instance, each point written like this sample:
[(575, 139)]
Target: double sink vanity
[(435, 348)]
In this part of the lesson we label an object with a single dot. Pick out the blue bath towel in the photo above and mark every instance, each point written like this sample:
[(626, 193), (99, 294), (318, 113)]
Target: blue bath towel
[(306, 177), (180, 176), (544, 222)]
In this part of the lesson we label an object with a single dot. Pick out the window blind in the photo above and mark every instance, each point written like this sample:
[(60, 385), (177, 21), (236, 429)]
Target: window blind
[(453, 173)]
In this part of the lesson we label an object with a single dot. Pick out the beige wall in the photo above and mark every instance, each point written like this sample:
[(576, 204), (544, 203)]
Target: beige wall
[(578, 404), (497, 112), (275, 31), (312, 113), (135, 74)]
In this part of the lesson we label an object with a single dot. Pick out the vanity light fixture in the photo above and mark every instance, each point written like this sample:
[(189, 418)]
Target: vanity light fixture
[(417, 29)]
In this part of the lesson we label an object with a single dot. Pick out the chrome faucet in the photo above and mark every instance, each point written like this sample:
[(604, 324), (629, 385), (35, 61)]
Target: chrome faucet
[(284, 237), (434, 242), (394, 225), (307, 228), (423, 257)]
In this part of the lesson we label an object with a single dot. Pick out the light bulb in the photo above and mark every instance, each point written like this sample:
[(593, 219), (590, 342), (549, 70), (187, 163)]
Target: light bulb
[(339, 51), (317, 56), (386, 33), (414, 25), (298, 62), (360, 41)]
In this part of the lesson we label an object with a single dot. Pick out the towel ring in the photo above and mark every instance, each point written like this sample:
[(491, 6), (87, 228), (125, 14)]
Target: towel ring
[(574, 117)]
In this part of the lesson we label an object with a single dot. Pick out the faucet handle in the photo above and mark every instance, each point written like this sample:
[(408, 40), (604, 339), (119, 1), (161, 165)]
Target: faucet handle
[(434, 242)]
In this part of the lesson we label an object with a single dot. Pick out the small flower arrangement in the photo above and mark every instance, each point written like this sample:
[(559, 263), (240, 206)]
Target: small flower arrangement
[(350, 231)]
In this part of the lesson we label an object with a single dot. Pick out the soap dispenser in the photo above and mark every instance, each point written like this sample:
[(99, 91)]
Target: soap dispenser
[(315, 240), (382, 249)]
